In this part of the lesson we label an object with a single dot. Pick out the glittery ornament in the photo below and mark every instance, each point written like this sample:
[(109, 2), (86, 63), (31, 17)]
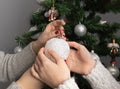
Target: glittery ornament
[(18, 49), (52, 14), (80, 30), (58, 45)]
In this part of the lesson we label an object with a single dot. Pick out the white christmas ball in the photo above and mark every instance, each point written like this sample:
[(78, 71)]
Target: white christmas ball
[(80, 30), (58, 45), (46, 14), (18, 49)]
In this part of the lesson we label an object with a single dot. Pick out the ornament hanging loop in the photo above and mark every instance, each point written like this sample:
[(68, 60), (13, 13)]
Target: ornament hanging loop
[(53, 2)]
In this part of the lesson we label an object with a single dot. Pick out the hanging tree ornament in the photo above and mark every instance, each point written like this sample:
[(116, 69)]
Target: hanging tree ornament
[(18, 49), (114, 50), (114, 70), (34, 28), (80, 30), (114, 47), (95, 56), (46, 14), (52, 13)]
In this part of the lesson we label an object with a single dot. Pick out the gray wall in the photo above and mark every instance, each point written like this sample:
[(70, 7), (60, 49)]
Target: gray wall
[(14, 20)]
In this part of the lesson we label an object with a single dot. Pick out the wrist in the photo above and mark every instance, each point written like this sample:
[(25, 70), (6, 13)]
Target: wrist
[(60, 82), (68, 84), (89, 67), (36, 45), (27, 81)]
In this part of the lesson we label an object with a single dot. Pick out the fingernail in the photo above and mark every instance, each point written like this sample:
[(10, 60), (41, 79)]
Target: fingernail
[(65, 60), (64, 35), (64, 21), (57, 32)]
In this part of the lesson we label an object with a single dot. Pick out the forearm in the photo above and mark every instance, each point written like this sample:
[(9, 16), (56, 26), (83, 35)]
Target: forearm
[(27, 81), (13, 65), (100, 78)]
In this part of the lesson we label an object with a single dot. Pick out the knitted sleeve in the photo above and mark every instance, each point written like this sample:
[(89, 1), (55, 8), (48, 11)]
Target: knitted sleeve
[(13, 86), (68, 84), (13, 65), (100, 78)]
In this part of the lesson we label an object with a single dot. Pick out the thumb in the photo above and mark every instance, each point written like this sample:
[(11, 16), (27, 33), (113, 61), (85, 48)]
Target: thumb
[(55, 56)]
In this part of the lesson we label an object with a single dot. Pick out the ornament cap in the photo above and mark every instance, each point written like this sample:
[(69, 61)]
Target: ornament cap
[(114, 62), (92, 51), (80, 23)]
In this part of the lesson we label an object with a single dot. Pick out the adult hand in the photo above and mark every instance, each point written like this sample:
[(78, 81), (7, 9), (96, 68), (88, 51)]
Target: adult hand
[(49, 72), (53, 29), (80, 59)]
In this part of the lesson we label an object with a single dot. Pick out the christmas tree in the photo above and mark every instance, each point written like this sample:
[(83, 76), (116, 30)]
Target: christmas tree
[(84, 25)]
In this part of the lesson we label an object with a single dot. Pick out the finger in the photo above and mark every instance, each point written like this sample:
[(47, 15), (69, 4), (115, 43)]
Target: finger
[(58, 23), (37, 67), (69, 63), (60, 27), (37, 61), (55, 33), (59, 31), (42, 57), (55, 56), (63, 35), (62, 31), (34, 73), (74, 45)]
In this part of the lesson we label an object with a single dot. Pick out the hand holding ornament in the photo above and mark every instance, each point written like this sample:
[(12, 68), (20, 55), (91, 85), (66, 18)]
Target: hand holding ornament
[(50, 64), (49, 72), (80, 59), (52, 30)]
